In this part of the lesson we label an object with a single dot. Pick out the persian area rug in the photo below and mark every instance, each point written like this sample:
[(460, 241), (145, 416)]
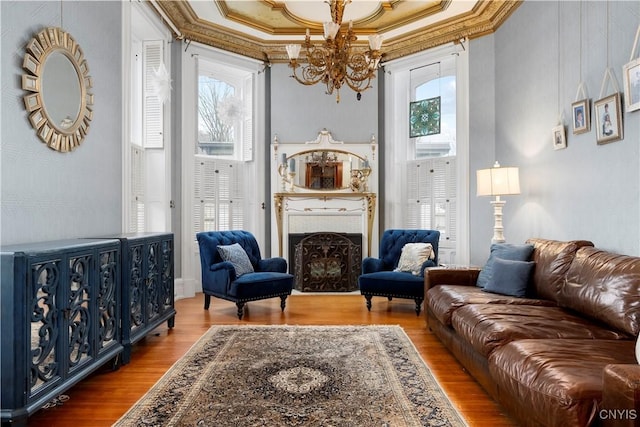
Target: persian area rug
[(297, 376)]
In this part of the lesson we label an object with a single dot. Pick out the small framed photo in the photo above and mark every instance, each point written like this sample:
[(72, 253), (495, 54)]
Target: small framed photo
[(559, 137), (581, 116), (608, 119), (631, 76)]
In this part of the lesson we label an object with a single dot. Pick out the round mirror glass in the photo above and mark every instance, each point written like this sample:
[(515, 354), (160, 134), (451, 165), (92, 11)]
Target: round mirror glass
[(61, 93)]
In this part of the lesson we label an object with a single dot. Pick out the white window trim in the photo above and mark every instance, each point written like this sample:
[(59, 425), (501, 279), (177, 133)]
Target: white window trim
[(397, 98), (151, 29), (190, 261)]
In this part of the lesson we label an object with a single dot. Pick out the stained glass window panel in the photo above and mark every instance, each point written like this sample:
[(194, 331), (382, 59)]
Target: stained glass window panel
[(424, 117)]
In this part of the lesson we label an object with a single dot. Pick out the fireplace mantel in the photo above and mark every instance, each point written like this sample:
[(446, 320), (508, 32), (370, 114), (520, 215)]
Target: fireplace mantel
[(310, 202)]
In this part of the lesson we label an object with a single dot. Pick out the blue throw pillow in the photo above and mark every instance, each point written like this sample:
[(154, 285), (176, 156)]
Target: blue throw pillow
[(237, 256), (510, 277), (507, 251)]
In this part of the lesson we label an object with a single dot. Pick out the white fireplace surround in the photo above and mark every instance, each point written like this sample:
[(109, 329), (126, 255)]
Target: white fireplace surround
[(303, 210)]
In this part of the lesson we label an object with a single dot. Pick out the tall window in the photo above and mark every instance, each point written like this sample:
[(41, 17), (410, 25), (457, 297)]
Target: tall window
[(431, 174), (223, 146), (428, 167)]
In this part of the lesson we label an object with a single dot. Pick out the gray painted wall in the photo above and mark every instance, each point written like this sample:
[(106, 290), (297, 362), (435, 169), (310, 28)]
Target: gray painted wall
[(299, 112), (48, 195), (586, 191)]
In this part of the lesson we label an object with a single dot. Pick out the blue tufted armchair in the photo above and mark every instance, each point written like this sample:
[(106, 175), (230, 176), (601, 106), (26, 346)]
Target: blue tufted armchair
[(219, 279), (378, 277)]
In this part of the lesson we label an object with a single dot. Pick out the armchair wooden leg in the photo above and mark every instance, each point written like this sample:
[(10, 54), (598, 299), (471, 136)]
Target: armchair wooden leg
[(368, 298), (283, 301), (207, 301), (240, 306), (418, 305)]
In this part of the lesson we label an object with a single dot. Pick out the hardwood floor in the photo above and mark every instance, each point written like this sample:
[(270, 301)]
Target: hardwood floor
[(105, 396)]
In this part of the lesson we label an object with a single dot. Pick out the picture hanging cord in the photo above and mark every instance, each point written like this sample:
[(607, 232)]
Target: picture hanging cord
[(560, 110), (582, 91), (439, 63), (635, 45), (608, 74), (61, 26)]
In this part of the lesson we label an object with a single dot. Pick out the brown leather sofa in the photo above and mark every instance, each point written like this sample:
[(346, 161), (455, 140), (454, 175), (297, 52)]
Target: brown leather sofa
[(562, 357)]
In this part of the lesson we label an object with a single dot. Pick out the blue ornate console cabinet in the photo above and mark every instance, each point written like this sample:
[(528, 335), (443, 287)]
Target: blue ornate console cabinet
[(69, 307), (148, 285), (60, 319)]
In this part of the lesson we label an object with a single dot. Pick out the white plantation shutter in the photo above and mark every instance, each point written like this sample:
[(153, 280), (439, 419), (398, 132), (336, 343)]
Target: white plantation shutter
[(137, 200), (431, 197), (218, 200), (152, 118)]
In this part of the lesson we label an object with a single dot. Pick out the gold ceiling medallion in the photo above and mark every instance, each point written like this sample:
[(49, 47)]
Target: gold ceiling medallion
[(334, 63), (57, 79)]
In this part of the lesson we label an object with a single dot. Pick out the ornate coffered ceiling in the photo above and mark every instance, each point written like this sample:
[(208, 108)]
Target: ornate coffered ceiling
[(261, 28)]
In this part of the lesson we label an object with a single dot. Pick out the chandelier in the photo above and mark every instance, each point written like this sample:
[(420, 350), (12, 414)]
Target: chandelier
[(334, 63)]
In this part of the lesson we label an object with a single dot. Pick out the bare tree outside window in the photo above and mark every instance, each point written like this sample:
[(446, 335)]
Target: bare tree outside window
[(212, 128)]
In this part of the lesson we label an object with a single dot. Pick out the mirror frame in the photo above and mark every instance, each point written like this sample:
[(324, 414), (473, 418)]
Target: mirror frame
[(46, 42)]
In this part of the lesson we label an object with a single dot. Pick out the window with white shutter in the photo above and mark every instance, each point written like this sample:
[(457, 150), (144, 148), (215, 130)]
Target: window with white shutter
[(218, 199), (224, 146), (152, 117), (431, 197)]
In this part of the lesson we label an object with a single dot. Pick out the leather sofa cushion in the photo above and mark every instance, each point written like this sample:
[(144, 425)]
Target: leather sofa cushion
[(560, 380), (489, 326), (604, 286), (443, 300), (552, 258)]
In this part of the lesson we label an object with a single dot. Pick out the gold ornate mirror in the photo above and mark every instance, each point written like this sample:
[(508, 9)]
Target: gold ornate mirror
[(325, 170), (57, 79)]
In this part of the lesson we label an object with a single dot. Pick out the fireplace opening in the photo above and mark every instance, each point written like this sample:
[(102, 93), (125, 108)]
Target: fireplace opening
[(325, 262)]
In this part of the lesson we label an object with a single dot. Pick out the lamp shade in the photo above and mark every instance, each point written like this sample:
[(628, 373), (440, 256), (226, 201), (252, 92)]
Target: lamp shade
[(498, 181)]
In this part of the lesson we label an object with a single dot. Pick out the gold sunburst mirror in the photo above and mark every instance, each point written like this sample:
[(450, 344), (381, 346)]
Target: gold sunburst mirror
[(57, 80)]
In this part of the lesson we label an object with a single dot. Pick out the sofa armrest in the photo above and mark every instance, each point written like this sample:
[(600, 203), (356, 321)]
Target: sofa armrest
[(465, 276), (275, 264), (620, 396)]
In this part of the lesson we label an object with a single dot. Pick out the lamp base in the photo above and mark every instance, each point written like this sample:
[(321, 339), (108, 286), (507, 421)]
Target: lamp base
[(498, 229)]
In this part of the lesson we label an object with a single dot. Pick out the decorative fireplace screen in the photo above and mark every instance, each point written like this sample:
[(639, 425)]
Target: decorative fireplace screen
[(326, 262)]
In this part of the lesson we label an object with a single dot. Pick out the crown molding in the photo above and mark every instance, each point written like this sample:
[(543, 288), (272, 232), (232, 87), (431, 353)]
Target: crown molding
[(485, 18)]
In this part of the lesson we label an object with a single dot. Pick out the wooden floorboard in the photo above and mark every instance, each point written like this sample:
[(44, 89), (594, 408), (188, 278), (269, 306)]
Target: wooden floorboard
[(105, 396)]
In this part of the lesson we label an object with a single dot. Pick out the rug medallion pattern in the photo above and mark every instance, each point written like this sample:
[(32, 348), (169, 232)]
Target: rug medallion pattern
[(297, 376)]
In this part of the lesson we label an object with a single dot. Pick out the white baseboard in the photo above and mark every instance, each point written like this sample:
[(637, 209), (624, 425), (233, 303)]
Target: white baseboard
[(185, 288)]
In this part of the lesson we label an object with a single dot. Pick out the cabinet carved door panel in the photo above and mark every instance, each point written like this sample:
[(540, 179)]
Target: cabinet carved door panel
[(60, 319)]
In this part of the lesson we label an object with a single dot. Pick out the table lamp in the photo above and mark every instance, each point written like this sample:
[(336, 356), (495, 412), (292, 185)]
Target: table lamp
[(498, 181)]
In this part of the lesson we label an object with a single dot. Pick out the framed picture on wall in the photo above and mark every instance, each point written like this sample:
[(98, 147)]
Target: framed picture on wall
[(631, 76), (581, 117), (559, 137), (608, 119)]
